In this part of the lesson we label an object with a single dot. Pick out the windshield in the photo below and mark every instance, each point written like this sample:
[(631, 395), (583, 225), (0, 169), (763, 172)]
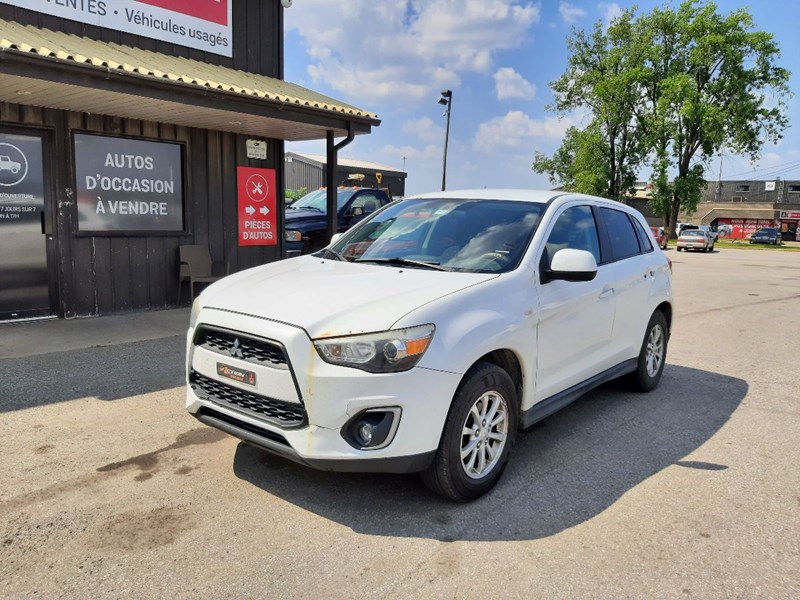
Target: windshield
[(318, 200), (476, 236), (693, 233), (767, 231)]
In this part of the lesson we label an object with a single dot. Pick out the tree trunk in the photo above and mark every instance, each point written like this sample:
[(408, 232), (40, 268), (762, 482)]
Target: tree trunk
[(673, 217)]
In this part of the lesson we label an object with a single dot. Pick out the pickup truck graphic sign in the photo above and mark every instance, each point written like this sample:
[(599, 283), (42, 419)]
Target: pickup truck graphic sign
[(201, 24)]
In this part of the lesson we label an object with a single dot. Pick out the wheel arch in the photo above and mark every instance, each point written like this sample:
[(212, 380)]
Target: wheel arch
[(666, 309), (508, 361)]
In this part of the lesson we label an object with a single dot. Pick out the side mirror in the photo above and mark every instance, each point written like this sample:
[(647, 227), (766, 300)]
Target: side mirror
[(571, 265), (335, 238), (357, 211)]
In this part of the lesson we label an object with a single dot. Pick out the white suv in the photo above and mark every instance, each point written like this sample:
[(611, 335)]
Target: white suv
[(424, 338)]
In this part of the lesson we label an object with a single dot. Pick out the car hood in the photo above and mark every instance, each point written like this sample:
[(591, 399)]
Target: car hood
[(302, 214), (330, 298)]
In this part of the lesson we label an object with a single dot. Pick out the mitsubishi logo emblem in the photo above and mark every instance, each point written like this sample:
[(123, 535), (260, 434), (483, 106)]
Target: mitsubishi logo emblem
[(236, 349)]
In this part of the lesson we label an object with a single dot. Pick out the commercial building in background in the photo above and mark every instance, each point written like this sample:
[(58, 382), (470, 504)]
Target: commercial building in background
[(131, 128), (736, 209), (308, 171)]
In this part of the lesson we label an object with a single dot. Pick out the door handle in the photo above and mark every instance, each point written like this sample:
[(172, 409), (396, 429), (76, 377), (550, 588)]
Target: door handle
[(607, 291)]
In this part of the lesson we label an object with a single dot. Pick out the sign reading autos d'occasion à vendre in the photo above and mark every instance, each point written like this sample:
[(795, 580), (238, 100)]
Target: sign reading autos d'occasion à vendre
[(201, 24), (128, 185)]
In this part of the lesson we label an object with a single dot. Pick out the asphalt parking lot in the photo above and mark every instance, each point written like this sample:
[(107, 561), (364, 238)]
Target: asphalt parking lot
[(109, 489)]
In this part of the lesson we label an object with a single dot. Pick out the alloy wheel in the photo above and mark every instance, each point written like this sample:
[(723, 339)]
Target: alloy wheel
[(484, 435), (655, 350)]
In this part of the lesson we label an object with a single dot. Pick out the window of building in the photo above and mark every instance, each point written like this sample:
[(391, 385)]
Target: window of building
[(794, 189), (744, 187)]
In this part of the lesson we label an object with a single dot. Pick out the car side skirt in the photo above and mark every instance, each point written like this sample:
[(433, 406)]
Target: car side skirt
[(545, 408)]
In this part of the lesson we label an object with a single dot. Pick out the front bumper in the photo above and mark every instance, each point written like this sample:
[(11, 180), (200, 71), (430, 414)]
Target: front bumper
[(326, 396)]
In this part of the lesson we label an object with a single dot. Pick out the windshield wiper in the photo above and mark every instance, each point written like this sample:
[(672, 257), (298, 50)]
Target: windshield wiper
[(333, 253), (403, 262)]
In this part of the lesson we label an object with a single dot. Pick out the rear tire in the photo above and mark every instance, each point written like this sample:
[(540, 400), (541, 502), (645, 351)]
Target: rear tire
[(652, 355), (478, 436)]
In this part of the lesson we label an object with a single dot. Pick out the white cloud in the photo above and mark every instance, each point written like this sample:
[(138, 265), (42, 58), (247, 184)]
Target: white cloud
[(510, 84), (412, 153), (517, 129), (609, 11), (406, 48), (424, 129), (570, 13)]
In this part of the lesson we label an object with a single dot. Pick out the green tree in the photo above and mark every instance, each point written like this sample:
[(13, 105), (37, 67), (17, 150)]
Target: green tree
[(580, 164), (708, 81), (292, 195), (671, 88), (599, 78)]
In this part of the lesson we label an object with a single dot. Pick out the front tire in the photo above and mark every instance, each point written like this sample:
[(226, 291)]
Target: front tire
[(652, 355), (478, 436)]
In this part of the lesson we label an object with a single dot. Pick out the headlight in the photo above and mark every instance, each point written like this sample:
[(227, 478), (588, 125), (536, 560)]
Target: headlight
[(290, 235), (195, 312), (385, 352)]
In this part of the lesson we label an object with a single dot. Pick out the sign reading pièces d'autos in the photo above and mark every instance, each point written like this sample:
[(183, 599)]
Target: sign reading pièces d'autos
[(201, 24), (128, 185)]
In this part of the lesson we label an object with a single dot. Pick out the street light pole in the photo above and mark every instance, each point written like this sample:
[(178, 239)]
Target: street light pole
[(446, 100)]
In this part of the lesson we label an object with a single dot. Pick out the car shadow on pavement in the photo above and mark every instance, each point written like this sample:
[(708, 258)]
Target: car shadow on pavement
[(104, 372), (564, 471)]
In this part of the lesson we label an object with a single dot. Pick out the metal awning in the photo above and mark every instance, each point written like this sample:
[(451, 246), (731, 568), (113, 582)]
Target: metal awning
[(52, 69), (731, 212)]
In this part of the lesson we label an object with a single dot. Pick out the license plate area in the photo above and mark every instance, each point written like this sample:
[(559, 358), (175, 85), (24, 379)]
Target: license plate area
[(236, 374)]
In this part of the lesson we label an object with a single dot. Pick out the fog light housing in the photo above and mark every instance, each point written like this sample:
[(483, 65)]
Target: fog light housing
[(372, 429), (365, 433)]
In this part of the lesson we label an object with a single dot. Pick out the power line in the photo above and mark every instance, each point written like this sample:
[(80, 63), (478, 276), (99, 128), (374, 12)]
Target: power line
[(753, 174)]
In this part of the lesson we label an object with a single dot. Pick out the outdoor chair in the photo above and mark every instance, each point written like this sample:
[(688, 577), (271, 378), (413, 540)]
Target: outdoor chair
[(195, 267)]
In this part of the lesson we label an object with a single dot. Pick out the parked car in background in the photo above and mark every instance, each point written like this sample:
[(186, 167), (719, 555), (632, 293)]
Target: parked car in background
[(428, 335), (767, 235), (706, 228), (660, 236), (695, 239), (709, 230), (306, 221)]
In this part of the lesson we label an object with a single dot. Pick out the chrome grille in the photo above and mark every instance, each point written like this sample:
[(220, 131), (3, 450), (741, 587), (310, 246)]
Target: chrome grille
[(279, 412), (253, 350)]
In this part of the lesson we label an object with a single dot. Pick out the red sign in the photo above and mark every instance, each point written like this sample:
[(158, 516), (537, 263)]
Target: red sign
[(741, 228), (215, 11), (257, 207)]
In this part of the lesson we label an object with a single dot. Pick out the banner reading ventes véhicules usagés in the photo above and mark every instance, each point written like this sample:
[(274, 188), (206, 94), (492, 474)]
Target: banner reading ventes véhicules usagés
[(201, 24), (128, 185)]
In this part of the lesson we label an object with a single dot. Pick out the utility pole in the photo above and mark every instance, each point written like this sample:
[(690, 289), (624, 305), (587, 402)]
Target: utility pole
[(447, 101)]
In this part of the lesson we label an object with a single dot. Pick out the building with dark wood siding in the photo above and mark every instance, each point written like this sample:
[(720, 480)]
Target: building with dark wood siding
[(92, 225)]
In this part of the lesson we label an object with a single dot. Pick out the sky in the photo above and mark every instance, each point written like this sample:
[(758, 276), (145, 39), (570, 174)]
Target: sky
[(394, 57)]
